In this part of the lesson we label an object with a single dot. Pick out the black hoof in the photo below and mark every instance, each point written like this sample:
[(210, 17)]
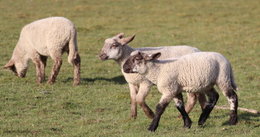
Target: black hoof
[(233, 120), (152, 128), (201, 122), (187, 123)]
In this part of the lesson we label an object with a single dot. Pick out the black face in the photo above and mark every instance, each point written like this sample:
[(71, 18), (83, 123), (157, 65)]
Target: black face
[(130, 63), (127, 66)]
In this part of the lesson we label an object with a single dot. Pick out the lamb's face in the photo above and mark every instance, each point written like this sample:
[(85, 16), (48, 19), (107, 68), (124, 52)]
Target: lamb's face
[(18, 68), (137, 62), (21, 69), (113, 47)]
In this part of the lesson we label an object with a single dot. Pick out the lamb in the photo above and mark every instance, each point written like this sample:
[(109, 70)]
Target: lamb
[(116, 48), (195, 73), (42, 38)]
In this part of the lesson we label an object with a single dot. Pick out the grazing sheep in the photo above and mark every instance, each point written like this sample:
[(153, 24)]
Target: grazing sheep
[(42, 38), (116, 48), (194, 73)]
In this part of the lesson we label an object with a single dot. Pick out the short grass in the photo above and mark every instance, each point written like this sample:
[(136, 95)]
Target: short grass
[(100, 106)]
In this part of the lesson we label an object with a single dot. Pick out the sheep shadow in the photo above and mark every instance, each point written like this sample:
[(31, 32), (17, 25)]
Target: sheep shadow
[(247, 118), (117, 80)]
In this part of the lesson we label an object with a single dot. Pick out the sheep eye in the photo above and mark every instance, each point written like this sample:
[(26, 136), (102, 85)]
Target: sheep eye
[(114, 45)]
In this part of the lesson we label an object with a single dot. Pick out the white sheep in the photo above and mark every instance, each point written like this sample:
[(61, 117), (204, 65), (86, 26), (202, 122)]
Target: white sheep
[(196, 72), (116, 48), (42, 38)]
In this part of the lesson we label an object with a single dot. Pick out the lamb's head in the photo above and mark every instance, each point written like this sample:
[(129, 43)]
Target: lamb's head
[(17, 67), (137, 62), (112, 48)]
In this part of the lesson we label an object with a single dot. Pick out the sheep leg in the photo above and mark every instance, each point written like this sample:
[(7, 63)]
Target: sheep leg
[(202, 100), (55, 70), (43, 65), (178, 99), (133, 92), (212, 100), (191, 101), (140, 99), (233, 101), (160, 108), (76, 65), (39, 65)]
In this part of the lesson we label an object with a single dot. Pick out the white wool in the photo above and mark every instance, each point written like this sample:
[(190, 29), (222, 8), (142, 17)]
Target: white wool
[(194, 72), (166, 52), (47, 37), (138, 84)]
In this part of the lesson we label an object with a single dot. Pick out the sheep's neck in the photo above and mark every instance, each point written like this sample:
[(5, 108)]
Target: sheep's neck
[(126, 51), (153, 72)]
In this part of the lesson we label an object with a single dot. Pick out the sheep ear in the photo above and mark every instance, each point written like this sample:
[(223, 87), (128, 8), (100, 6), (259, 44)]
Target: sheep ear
[(153, 56), (9, 64), (126, 40), (120, 35)]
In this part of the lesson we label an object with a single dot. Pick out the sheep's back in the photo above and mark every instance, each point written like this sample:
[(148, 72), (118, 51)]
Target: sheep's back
[(198, 71), (170, 51), (45, 34)]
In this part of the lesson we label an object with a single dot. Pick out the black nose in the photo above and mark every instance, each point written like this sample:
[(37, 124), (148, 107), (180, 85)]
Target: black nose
[(103, 56)]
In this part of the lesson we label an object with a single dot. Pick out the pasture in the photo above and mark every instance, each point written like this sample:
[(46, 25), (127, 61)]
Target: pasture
[(100, 106)]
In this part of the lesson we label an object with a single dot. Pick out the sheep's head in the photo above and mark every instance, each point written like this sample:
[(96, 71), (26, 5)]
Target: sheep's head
[(137, 62), (112, 48), (18, 68)]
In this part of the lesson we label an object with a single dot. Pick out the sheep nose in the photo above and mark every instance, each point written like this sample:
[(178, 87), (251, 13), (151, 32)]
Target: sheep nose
[(103, 56)]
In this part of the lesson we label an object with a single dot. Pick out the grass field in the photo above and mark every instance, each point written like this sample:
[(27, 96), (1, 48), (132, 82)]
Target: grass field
[(100, 106)]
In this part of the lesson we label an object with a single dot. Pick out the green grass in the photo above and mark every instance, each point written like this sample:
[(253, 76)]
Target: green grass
[(100, 106)]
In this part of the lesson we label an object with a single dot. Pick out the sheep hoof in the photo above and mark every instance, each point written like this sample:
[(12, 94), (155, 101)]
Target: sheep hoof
[(152, 127), (187, 123), (76, 83), (233, 118), (133, 116), (50, 82)]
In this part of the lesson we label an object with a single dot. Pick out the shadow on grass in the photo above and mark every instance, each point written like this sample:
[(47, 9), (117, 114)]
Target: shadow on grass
[(117, 80), (247, 118)]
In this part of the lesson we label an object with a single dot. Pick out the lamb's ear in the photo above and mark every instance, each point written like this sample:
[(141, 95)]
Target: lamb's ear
[(120, 35), (126, 40), (9, 64), (154, 56)]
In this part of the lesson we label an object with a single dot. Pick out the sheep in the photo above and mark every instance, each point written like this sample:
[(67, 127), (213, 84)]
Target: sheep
[(42, 38), (116, 48), (195, 73)]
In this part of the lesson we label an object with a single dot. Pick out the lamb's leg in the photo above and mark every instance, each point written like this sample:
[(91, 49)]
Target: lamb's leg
[(233, 101), (55, 70), (76, 65), (178, 99), (212, 100), (191, 101), (160, 108), (43, 65), (133, 91), (202, 100), (39, 65), (140, 99)]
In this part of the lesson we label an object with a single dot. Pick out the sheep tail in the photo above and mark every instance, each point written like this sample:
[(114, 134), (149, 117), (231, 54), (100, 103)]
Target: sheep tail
[(73, 48)]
